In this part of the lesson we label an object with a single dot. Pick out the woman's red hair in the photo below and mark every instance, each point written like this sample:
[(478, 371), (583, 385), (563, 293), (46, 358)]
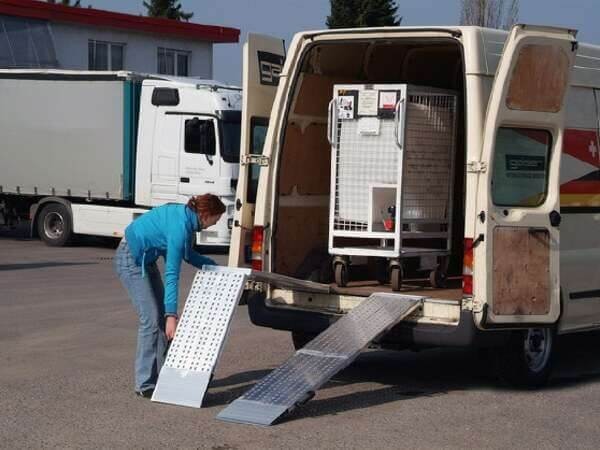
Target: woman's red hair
[(206, 205)]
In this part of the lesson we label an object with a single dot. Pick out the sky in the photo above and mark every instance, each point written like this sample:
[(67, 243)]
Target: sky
[(283, 18)]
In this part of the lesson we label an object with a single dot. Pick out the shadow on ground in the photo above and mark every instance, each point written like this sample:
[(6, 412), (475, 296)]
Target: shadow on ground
[(408, 375), (40, 265)]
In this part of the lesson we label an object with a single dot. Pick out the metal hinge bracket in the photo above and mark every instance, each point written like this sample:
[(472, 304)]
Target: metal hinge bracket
[(260, 160), (476, 167), (477, 305)]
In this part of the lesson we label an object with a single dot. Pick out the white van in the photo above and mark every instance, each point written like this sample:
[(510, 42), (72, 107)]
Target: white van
[(525, 253)]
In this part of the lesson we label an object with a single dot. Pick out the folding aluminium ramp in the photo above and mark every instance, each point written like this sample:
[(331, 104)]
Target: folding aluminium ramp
[(200, 337), (296, 381)]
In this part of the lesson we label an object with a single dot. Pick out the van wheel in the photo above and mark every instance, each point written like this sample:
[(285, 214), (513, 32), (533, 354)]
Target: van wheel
[(54, 225), (526, 360), (300, 339)]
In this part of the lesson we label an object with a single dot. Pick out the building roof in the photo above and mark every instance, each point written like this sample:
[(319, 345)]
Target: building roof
[(95, 17)]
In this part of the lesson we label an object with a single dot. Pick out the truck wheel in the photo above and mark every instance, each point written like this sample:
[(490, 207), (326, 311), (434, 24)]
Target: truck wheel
[(300, 339), (55, 226), (526, 360)]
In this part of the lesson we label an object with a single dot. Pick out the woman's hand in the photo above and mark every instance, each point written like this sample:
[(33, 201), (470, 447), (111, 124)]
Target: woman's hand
[(170, 327)]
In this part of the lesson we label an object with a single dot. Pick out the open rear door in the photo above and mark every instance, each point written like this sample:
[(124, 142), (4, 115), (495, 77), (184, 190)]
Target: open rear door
[(516, 254), (263, 62)]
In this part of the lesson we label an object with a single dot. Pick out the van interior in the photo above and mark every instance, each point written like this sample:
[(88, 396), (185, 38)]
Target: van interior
[(300, 230)]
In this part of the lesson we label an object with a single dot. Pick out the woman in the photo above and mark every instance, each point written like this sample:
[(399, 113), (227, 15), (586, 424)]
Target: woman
[(165, 231)]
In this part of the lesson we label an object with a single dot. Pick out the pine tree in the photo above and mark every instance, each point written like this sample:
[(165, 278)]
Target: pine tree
[(363, 13), (170, 9), (343, 13), (378, 13)]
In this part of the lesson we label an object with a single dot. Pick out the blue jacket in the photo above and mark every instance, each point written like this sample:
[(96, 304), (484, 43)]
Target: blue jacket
[(166, 231)]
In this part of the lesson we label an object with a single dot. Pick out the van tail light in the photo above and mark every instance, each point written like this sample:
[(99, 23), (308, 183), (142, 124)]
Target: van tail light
[(257, 248), (467, 283)]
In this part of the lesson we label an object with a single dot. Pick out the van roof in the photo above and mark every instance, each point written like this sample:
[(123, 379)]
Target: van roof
[(487, 45)]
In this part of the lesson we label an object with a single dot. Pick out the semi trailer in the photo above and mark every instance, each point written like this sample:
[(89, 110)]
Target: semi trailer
[(85, 153)]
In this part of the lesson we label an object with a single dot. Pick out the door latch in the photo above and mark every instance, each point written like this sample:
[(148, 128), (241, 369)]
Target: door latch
[(259, 160), (476, 167)]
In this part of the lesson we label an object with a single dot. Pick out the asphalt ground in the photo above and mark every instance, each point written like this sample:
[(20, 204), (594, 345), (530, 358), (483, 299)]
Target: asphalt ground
[(67, 341)]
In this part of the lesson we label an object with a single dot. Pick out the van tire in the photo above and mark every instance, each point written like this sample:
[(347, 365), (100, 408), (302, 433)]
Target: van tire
[(55, 225), (526, 360), (300, 339)]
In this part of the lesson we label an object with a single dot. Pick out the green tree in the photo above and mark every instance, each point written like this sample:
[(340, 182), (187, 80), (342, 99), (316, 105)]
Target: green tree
[(170, 9), (363, 13)]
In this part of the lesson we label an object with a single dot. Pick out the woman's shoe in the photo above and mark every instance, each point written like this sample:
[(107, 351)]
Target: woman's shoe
[(145, 394)]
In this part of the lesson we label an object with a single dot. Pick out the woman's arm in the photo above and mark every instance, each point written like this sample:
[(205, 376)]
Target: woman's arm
[(197, 260), (173, 259)]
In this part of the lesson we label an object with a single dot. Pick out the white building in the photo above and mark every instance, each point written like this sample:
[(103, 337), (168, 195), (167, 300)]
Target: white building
[(39, 34)]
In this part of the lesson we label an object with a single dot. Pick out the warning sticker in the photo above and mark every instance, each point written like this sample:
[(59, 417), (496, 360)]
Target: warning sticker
[(387, 100), (367, 103), (346, 106)]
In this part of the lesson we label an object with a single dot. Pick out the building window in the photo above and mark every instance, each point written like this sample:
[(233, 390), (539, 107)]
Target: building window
[(105, 55), (26, 43), (173, 62)]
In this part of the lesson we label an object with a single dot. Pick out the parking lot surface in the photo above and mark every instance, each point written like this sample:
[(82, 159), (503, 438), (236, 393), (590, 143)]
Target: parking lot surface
[(67, 341)]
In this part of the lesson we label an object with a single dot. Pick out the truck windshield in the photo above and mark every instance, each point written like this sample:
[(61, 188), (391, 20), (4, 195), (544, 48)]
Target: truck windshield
[(230, 136)]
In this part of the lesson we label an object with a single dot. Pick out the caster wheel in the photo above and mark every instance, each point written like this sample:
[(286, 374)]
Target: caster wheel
[(341, 275), (382, 271), (438, 278), (396, 278)]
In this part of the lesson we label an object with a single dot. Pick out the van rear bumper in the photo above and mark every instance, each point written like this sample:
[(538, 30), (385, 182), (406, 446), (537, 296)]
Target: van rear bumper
[(403, 335)]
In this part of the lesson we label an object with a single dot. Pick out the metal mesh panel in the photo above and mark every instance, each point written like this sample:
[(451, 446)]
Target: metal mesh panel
[(371, 169), (426, 177), (321, 359), (200, 336), (361, 160)]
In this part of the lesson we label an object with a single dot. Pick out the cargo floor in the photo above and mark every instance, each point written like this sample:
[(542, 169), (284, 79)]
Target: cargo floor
[(453, 291)]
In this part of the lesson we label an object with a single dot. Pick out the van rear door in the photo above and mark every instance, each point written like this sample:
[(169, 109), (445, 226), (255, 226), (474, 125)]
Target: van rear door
[(263, 62), (516, 254)]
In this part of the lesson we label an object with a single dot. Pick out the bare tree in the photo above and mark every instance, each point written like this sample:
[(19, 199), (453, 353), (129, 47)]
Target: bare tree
[(489, 13)]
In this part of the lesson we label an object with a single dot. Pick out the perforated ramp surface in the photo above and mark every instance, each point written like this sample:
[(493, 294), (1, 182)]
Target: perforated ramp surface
[(200, 336), (311, 367)]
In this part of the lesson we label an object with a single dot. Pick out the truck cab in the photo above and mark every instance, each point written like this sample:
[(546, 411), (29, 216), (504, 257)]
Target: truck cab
[(188, 144)]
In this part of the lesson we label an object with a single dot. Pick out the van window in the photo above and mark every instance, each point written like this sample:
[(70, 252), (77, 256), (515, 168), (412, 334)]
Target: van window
[(258, 134), (200, 136), (521, 160)]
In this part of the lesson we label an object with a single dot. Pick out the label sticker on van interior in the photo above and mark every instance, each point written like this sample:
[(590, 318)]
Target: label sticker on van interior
[(270, 66)]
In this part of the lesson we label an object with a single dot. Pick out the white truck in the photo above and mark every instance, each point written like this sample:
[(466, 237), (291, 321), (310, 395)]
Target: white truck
[(87, 152), (524, 262)]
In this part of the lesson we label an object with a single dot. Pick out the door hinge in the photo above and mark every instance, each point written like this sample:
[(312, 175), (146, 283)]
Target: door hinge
[(260, 160), (476, 167)]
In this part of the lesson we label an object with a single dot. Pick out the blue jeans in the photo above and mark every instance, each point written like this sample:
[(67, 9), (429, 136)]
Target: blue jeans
[(147, 295)]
